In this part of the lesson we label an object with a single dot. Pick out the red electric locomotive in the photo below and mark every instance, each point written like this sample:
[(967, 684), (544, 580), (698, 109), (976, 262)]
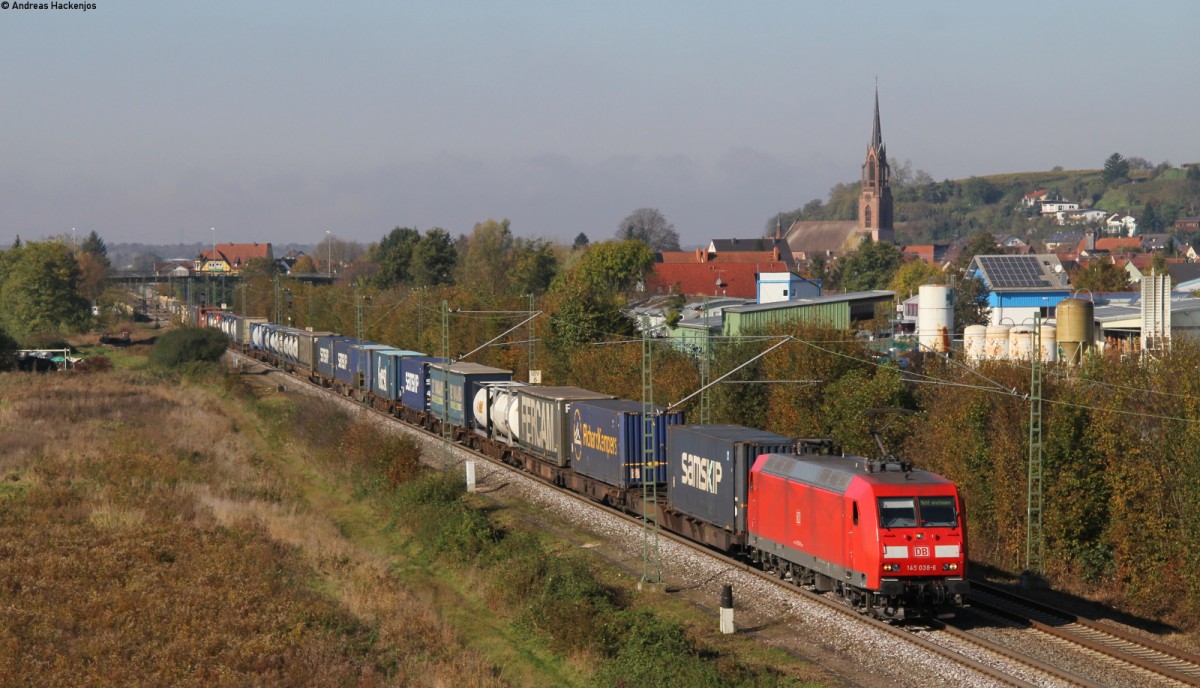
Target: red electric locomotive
[(888, 539)]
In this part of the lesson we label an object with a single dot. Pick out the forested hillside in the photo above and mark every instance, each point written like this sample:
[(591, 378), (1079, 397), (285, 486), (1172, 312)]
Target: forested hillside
[(927, 211)]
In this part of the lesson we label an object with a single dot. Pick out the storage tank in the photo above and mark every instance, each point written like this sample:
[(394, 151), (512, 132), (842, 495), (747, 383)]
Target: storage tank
[(1049, 343), (1020, 343), (935, 317), (995, 345), (1074, 318), (495, 407), (974, 338)]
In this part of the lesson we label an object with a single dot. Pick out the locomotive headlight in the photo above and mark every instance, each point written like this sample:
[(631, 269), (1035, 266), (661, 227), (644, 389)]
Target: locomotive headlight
[(891, 568), (949, 567)]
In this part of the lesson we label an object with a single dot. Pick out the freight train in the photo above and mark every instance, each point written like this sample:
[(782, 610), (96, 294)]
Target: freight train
[(888, 539)]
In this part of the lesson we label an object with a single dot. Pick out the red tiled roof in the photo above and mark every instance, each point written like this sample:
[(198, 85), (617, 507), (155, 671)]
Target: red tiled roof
[(922, 251), (1113, 244), (237, 255), (701, 256), (700, 279)]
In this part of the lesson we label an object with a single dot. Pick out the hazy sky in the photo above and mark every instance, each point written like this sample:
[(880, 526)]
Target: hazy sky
[(278, 121)]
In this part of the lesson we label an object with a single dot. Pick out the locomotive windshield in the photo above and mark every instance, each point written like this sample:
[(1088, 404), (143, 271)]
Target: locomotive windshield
[(902, 512), (897, 512), (938, 512)]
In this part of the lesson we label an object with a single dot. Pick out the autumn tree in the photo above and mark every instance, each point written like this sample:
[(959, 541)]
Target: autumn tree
[(912, 274), (94, 266), (434, 259), (872, 266), (650, 226), (534, 266), (393, 254), (586, 303), (304, 265), (39, 287), (486, 261), (94, 245), (1101, 276), (970, 302)]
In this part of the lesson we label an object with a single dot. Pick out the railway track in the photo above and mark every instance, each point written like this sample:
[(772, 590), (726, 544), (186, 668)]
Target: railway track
[(1143, 654), (1017, 669)]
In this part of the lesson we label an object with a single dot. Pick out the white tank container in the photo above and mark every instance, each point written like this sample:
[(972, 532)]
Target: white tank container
[(1049, 343), (995, 344), (974, 339), (505, 411), (1020, 343), (935, 317)]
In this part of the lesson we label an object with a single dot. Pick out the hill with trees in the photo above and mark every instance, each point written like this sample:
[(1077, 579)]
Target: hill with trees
[(927, 211)]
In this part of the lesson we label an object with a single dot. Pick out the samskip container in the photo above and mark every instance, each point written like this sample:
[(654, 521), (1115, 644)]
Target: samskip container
[(414, 375), (708, 470)]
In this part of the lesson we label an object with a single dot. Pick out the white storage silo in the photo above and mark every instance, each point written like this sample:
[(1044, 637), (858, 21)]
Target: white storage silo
[(1049, 343), (974, 339), (935, 317), (1020, 343), (996, 342)]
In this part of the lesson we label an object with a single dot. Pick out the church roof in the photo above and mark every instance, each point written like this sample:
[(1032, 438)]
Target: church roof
[(822, 237)]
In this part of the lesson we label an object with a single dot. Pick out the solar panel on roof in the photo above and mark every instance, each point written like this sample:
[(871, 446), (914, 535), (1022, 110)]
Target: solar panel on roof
[(1014, 272)]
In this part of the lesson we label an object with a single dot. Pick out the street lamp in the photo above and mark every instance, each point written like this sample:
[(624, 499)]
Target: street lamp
[(328, 254), (74, 243)]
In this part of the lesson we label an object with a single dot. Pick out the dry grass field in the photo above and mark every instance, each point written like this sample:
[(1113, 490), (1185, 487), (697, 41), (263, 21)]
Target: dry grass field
[(149, 536)]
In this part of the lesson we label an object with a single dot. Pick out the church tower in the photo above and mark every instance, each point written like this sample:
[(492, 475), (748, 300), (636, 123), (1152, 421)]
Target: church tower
[(875, 203)]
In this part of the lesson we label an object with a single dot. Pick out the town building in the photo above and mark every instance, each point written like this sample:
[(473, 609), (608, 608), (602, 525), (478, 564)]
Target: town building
[(1021, 286), (809, 239), (231, 259)]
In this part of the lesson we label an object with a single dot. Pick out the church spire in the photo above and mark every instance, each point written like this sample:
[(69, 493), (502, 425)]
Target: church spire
[(876, 134), (875, 200)]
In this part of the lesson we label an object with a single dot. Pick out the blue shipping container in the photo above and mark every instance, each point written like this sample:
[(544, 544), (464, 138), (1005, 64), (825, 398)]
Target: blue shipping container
[(363, 363), (325, 355), (385, 372), (708, 470), (414, 373), (452, 388), (344, 360), (606, 441)]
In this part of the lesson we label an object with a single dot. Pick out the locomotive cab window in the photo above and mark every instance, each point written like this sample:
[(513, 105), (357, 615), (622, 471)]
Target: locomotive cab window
[(937, 512), (897, 512)]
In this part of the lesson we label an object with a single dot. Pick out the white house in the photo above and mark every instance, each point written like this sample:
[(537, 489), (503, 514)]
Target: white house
[(1121, 223), (1077, 217), (1055, 207), (785, 286)]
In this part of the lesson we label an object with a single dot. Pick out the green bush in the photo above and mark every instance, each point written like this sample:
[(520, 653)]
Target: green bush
[(8, 351), (652, 651), (187, 345)]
